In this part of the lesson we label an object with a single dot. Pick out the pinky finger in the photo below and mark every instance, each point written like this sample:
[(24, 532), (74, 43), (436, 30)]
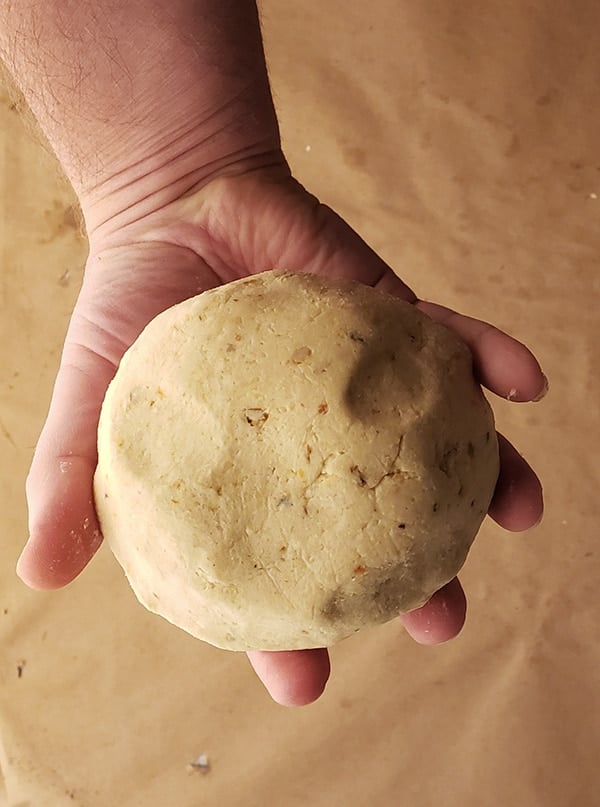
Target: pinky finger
[(292, 677)]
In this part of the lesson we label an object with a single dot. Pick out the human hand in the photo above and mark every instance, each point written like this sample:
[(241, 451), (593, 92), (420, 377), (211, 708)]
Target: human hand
[(230, 227)]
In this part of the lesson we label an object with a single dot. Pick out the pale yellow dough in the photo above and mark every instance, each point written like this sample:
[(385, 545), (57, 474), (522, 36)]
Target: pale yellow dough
[(287, 459)]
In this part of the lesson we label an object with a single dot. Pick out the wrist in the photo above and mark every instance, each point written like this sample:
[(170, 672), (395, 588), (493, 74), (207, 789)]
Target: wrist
[(231, 146), (142, 99)]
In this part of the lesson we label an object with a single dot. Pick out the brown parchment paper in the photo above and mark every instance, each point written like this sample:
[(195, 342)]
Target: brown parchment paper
[(462, 140)]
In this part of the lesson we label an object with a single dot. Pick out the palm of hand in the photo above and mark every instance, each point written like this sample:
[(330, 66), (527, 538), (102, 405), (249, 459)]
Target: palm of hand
[(231, 227)]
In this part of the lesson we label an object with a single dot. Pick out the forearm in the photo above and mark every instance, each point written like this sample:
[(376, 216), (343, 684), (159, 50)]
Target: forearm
[(138, 96)]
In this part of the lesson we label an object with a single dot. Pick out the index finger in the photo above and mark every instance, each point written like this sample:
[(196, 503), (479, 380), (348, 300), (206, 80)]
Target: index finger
[(501, 363)]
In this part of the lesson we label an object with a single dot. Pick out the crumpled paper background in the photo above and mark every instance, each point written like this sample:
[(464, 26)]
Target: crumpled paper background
[(461, 140)]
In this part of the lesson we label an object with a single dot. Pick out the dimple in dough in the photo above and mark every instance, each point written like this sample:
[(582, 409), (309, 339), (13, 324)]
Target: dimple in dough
[(287, 459)]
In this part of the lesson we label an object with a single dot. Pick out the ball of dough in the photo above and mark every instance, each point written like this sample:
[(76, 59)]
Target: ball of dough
[(287, 459)]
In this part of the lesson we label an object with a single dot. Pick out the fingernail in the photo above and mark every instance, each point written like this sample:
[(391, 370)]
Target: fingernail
[(543, 392)]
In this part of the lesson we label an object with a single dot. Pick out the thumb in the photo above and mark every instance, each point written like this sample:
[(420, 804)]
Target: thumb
[(122, 291), (63, 529)]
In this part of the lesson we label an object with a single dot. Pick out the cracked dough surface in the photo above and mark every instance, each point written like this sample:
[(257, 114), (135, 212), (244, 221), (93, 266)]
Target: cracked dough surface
[(287, 459)]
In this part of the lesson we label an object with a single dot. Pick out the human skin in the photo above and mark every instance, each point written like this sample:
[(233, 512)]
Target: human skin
[(162, 118)]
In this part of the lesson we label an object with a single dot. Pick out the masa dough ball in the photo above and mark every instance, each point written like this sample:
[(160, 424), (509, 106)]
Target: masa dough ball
[(287, 459)]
